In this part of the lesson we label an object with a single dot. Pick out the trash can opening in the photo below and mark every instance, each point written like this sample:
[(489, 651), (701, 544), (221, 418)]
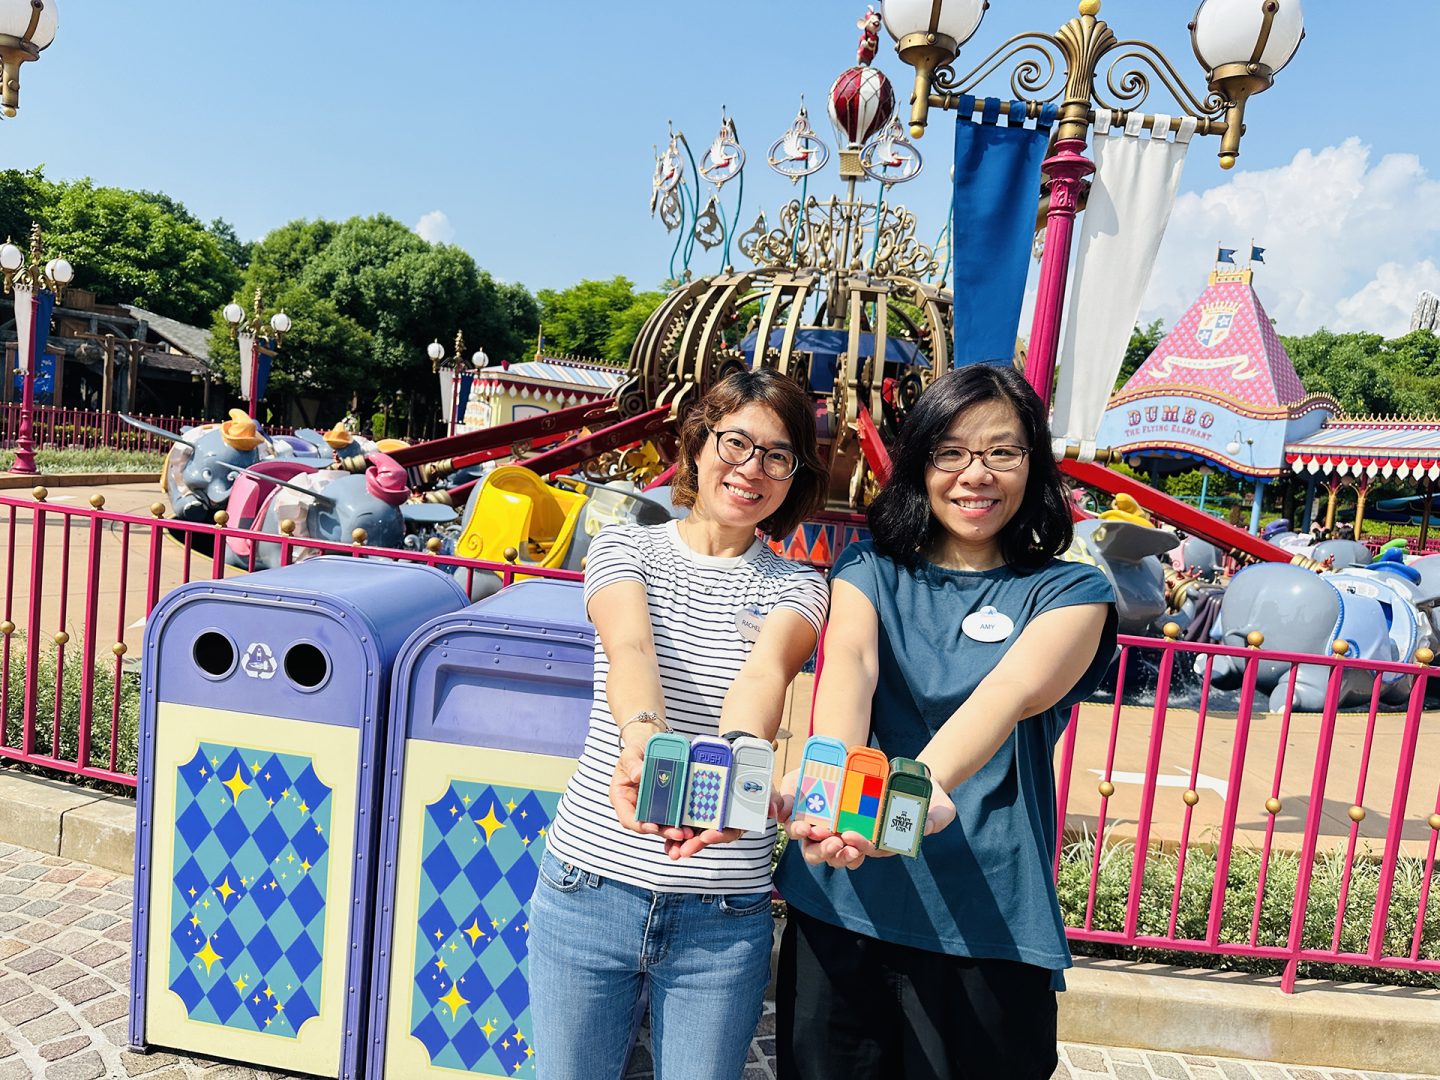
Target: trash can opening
[(306, 665), (214, 654)]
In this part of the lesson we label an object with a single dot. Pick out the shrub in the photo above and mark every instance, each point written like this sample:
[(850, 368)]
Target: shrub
[(1113, 886), (128, 744), (96, 460)]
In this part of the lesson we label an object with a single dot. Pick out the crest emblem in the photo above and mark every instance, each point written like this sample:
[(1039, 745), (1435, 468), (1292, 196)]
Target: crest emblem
[(725, 158), (890, 157), (1214, 326)]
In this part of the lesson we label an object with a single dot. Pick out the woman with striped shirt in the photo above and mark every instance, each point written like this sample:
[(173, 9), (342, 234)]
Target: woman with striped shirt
[(622, 903)]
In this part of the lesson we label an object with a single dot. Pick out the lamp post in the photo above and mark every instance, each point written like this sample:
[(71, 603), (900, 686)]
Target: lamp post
[(253, 346), (36, 287), (1241, 44), (451, 377), (26, 27)]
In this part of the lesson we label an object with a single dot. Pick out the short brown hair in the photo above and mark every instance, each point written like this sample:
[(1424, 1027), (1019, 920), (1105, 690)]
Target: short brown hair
[(792, 405)]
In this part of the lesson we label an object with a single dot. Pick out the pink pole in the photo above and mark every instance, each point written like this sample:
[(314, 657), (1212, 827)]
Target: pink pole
[(24, 444), (1066, 171)]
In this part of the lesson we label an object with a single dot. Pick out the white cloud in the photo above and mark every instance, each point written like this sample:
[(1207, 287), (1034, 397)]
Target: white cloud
[(1350, 244), (435, 228)]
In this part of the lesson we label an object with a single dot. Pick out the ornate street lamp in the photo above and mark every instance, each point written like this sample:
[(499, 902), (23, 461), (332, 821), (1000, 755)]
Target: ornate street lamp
[(450, 376), (36, 287), (250, 336), (1240, 43), (26, 27)]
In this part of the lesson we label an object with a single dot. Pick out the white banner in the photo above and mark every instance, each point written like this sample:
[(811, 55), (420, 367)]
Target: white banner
[(247, 361), (24, 324), (447, 398), (1136, 177)]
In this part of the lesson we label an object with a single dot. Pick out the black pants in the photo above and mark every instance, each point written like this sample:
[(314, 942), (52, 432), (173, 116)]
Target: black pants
[(850, 1007)]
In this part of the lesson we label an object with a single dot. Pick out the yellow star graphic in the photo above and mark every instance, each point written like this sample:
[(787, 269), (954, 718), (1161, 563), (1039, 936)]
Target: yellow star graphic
[(466, 800), (474, 931), (303, 808), (453, 946), (256, 999), (519, 1036), (244, 881), (269, 993), (515, 1067), (494, 924), (208, 954), (285, 793), (267, 1021), (255, 768), (205, 903), (203, 772), (214, 761), (225, 890), (490, 823), (269, 802), (290, 857), (241, 984), (279, 1006), (438, 935), (505, 1045), (194, 920), (529, 1052), (267, 776), (454, 1000), (192, 892), (542, 832), (525, 926), (236, 784), (317, 828), (510, 806), (454, 810), (305, 865), (488, 1028), (440, 964), (525, 840)]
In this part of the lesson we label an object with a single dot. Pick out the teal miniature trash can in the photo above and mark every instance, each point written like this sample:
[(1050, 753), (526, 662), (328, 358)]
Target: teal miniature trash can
[(264, 701), (489, 712)]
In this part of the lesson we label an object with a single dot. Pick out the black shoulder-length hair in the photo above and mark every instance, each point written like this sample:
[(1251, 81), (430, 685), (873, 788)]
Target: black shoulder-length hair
[(900, 519)]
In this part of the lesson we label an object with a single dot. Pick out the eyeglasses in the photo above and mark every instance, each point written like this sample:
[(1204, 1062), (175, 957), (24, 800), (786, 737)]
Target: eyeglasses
[(953, 459), (736, 448)]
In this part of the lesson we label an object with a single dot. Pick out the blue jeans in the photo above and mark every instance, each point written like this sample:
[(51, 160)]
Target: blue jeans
[(594, 942)]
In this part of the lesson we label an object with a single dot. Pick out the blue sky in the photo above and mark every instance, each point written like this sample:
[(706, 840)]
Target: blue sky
[(525, 130)]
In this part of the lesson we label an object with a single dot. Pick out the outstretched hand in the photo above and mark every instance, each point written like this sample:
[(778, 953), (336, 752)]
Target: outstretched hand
[(848, 850), (681, 841)]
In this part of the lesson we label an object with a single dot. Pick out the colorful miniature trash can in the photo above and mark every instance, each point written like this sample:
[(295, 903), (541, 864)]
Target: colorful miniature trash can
[(488, 716), (262, 715)]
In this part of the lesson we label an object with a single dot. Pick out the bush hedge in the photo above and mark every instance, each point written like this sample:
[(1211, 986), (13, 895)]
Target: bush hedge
[(128, 744), (98, 459), (1113, 888)]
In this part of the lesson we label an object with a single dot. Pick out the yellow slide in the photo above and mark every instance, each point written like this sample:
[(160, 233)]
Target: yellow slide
[(516, 509)]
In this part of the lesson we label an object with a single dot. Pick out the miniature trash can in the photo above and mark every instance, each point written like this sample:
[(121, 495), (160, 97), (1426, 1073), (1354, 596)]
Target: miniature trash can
[(488, 716), (263, 706)]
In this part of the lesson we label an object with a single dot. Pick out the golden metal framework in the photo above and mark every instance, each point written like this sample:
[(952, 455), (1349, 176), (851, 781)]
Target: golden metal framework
[(1132, 70)]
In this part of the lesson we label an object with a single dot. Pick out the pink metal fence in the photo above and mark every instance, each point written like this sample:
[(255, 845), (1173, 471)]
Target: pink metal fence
[(1335, 769), (1146, 832), (89, 429), (68, 699)]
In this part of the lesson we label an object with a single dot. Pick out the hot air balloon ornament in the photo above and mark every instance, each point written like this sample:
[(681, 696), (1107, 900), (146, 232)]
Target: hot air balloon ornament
[(726, 157), (862, 101), (890, 157), (799, 152)]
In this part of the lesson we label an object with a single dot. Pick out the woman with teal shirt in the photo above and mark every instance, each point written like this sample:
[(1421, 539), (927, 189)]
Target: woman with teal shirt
[(956, 637)]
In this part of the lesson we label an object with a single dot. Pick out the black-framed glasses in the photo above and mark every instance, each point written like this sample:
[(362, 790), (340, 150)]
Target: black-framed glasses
[(954, 459), (736, 448)]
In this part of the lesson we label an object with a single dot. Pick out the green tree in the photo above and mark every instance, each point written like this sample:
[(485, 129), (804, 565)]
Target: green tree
[(25, 198), (625, 325), (580, 320), (1144, 340), (140, 248)]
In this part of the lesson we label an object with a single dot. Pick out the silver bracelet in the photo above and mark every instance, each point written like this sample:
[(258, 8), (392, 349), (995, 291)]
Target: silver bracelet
[(646, 716)]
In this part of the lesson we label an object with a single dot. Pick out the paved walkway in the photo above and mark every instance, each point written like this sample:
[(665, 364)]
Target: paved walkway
[(65, 968)]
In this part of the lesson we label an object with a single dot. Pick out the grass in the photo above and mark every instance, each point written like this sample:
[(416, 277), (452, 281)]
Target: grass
[(1113, 887), (96, 460), (128, 744)]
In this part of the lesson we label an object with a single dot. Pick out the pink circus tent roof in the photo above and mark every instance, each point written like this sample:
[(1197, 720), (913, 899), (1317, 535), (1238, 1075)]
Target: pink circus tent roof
[(1224, 348)]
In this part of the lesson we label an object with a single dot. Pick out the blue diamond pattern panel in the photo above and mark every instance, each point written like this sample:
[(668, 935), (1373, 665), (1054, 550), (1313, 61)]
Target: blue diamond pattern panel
[(470, 1005), (247, 901)]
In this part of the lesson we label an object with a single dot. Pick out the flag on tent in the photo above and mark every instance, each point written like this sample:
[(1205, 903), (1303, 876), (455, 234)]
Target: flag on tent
[(1257, 254), (1226, 255)]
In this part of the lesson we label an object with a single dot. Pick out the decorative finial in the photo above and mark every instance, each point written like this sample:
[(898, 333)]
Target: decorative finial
[(1090, 7)]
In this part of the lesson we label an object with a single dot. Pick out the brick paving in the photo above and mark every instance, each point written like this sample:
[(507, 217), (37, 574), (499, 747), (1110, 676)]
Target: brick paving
[(65, 970)]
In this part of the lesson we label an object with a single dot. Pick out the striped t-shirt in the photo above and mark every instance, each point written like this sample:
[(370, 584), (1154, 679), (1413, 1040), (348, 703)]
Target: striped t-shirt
[(694, 601)]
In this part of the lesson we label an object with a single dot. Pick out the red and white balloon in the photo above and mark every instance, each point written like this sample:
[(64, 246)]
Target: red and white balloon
[(862, 101)]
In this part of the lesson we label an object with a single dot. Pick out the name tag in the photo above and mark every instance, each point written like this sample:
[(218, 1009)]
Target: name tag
[(749, 622), (987, 624)]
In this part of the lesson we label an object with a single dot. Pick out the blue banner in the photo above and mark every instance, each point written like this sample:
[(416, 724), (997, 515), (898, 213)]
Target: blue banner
[(42, 360), (997, 192), (265, 359), (462, 396)]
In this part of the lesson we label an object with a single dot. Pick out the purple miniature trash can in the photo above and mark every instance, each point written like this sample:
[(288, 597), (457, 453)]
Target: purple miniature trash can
[(489, 711), (263, 705)]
